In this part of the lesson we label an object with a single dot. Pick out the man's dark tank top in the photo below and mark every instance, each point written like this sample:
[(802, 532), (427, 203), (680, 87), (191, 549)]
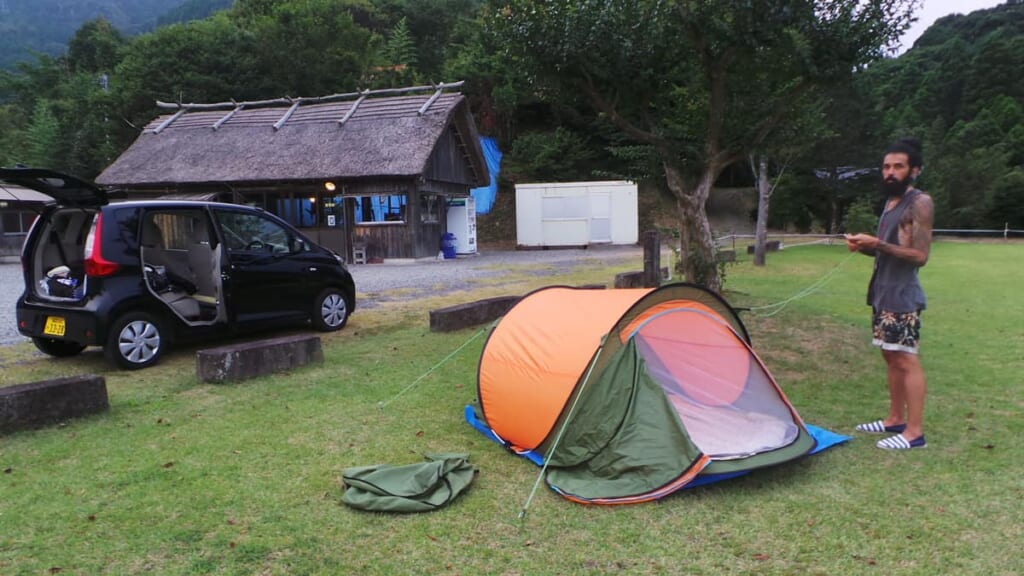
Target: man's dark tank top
[(894, 285)]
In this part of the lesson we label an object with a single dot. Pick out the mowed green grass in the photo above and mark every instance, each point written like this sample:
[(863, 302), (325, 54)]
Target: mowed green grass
[(181, 477)]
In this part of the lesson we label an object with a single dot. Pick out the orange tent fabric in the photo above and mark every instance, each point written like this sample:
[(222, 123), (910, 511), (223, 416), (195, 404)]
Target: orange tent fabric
[(540, 349)]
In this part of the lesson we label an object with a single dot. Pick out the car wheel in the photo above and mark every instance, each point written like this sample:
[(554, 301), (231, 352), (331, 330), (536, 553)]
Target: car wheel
[(58, 348), (136, 341), (330, 311)]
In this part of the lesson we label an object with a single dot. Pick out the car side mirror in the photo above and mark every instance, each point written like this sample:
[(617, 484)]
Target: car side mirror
[(297, 245)]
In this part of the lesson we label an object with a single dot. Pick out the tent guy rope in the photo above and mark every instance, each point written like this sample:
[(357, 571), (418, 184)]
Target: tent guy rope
[(384, 404), (769, 310)]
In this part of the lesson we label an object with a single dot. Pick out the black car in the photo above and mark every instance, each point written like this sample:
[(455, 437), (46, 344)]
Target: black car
[(135, 276)]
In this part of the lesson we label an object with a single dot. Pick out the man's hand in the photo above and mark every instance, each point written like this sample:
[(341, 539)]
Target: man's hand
[(861, 243)]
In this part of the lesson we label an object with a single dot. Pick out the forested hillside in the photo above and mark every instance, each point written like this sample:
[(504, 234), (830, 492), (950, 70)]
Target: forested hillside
[(959, 90), (45, 26)]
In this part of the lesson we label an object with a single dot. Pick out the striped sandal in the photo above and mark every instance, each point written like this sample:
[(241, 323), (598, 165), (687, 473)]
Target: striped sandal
[(898, 442), (879, 427)]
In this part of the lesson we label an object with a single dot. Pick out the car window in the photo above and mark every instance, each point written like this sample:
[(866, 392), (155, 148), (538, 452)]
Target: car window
[(127, 221), (251, 232), (176, 229)]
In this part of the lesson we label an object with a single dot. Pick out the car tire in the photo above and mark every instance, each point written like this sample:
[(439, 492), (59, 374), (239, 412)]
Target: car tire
[(330, 310), (136, 340), (58, 348)]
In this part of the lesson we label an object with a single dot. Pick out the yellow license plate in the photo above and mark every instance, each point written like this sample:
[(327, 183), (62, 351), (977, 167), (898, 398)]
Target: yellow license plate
[(54, 326)]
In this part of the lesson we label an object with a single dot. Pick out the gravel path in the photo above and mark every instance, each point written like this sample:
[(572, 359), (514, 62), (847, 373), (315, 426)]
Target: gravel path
[(11, 286), (373, 281)]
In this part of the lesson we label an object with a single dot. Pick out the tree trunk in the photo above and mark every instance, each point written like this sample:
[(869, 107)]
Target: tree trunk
[(764, 196), (697, 258)]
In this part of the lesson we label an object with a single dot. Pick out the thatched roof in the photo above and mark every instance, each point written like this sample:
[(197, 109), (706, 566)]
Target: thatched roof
[(386, 137)]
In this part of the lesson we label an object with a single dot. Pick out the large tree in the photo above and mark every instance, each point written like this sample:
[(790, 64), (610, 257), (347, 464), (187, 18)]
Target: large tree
[(702, 83)]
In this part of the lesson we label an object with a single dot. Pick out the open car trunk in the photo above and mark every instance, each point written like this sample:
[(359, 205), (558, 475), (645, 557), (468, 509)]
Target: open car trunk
[(57, 263)]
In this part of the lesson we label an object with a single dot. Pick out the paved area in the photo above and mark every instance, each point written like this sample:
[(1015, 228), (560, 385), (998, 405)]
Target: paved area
[(11, 286), (375, 281)]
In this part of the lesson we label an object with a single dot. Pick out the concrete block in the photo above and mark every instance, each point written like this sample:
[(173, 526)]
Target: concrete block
[(769, 246), (257, 358), (635, 279), (24, 406), (470, 314)]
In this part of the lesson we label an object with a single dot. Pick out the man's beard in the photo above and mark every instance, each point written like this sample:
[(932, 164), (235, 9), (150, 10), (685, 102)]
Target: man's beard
[(893, 187)]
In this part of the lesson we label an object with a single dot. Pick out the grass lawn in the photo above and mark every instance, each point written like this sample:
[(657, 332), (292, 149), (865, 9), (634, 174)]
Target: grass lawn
[(181, 477)]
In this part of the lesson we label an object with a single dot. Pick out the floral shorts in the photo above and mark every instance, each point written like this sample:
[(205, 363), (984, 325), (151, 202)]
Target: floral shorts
[(896, 331)]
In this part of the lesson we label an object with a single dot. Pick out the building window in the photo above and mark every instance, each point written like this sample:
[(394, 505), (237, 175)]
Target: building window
[(333, 211), (297, 210), (17, 222), (429, 208), (377, 209)]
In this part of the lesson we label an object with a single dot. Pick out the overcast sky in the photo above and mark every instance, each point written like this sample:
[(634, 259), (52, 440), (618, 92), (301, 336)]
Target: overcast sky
[(935, 9)]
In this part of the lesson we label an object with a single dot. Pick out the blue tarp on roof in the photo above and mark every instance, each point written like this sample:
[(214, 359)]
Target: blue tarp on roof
[(485, 195)]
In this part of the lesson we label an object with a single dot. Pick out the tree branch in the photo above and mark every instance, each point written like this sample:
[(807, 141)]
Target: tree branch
[(778, 114), (609, 110)]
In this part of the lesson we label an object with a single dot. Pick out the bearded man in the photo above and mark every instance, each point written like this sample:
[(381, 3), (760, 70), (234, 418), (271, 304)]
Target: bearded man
[(900, 248)]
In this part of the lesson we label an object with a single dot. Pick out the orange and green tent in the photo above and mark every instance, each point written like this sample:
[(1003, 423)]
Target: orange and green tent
[(629, 395)]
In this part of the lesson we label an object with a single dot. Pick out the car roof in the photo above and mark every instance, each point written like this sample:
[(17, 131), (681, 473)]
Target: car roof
[(180, 204)]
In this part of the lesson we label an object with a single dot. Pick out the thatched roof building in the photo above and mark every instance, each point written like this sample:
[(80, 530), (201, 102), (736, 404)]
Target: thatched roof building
[(416, 143), (383, 137)]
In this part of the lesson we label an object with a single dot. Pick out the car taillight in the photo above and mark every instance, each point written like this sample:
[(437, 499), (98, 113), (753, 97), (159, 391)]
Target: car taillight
[(95, 264)]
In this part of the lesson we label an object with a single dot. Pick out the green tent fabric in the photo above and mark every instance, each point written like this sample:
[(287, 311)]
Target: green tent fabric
[(410, 488), (622, 439)]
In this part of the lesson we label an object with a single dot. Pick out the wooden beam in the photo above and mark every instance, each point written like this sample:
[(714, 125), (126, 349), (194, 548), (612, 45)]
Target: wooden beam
[(287, 115), (167, 122), (227, 117), (306, 100), (431, 100), (352, 110)]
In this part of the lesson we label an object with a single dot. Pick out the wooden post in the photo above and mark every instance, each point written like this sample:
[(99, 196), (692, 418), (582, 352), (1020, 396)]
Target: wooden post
[(652, 259)]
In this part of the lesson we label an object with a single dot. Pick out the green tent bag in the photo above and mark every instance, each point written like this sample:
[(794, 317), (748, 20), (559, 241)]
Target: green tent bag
[(411, 488)]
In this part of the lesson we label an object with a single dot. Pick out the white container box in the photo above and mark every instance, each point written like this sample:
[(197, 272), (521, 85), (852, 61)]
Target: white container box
[(576, 213)]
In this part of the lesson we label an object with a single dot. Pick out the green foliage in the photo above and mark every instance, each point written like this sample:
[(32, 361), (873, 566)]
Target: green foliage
[(1006, 202), (560, 155), (95, 47), (11, 122), (45, 26), (860, 217), (400, 48), (438, 28), (207, 61), (398, 57), (192, 10), (960, 91), (702, 83), (42, 137), (311, 48)]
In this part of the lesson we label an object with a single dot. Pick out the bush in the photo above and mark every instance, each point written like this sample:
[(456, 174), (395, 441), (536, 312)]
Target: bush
[(860, 217)]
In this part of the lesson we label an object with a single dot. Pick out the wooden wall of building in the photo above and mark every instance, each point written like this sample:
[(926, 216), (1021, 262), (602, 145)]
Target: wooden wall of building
[(448, 162)]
